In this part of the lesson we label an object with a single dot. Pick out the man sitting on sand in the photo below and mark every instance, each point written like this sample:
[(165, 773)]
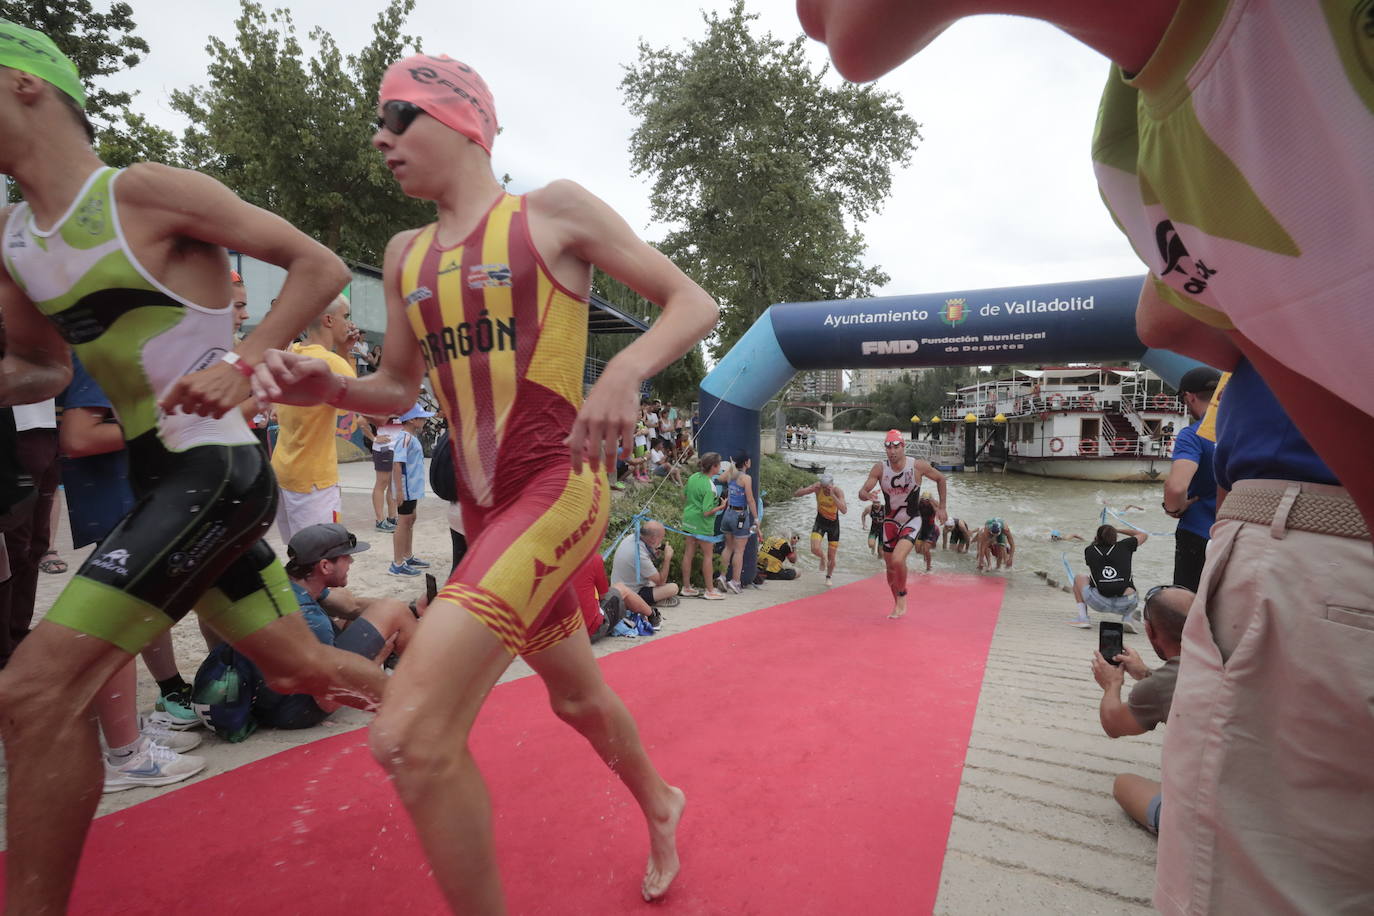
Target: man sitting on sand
[(1149, 702), (318, 560)]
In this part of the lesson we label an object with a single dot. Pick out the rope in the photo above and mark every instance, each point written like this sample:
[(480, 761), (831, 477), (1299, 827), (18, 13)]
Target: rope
[(1153, 534)]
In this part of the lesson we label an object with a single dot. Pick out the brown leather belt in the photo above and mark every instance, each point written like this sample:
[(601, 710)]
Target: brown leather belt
[(1289, 506)]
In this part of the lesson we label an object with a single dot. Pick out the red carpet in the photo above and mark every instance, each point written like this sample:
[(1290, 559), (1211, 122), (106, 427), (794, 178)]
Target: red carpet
[(820, 746)]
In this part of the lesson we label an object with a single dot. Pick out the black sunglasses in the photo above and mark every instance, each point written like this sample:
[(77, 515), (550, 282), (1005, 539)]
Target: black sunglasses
[(397, 116)]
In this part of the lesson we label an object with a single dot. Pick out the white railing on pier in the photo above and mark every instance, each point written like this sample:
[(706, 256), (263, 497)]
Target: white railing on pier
[(861, 447)]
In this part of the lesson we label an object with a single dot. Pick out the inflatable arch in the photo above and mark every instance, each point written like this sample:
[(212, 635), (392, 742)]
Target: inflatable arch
[(1083, 321)]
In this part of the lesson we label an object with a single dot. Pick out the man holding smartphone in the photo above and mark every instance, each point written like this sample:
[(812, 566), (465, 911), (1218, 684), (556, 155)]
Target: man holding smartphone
[(1149, 702), (318, 560)]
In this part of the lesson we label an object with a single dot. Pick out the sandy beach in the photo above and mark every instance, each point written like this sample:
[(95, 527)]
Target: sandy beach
[(1035, 829)]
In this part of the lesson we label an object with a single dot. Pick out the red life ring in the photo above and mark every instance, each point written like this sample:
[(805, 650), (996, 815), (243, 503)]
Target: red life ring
[(1087, 447), (1162, 402), (1056, 444), (1087, 402), (1120, 445), (1056, 401)]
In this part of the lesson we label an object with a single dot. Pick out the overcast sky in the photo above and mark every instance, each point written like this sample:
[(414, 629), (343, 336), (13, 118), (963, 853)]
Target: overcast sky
[(1000, 191)]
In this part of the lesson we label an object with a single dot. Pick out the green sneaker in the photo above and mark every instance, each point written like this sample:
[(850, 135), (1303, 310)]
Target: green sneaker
[(175, 712)]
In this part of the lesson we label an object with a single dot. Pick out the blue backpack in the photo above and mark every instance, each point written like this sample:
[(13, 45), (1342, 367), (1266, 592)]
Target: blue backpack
[(225, 687)]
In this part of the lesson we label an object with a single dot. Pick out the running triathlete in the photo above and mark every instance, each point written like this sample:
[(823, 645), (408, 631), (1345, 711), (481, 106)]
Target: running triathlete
[(128, 268), (829, 505), (900, 477), (872, 519), (492, 300)]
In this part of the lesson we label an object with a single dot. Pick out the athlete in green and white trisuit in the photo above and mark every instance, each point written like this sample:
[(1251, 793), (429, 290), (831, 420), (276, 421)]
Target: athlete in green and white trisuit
[(129, 269)]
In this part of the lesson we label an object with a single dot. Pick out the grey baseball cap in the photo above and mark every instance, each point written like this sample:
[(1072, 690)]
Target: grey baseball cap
[(322, 542)]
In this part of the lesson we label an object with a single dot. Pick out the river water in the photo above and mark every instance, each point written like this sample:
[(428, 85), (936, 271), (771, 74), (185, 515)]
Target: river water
[(1033, 506)]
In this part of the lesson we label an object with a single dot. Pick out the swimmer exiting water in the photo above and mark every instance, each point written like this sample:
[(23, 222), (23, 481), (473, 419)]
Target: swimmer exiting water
[(900, 477), (128, 268), (829, 505), (492, 300)]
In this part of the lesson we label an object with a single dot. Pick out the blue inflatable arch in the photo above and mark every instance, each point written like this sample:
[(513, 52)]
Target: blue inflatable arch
[(1085, 321)]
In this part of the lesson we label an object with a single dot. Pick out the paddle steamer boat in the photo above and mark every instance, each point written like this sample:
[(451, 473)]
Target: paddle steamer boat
[(1109, 423)]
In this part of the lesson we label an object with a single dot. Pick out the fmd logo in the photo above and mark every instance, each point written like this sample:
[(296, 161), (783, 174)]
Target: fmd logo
[(884, 347)]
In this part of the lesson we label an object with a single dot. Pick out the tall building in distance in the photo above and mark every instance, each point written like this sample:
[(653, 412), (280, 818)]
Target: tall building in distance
[(866, 381), (812, 386)]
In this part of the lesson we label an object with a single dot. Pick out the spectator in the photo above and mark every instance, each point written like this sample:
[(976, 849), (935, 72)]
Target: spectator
[(775, 552), (28, 542), (658, 457), (319, 558), (306, 460), (1107, 586), (238, 302), (698, 520), (737, 522), (642, 564), (605, 604), (1190, 490), (388, 431), (667, 422), (829, 506), (995, 541), (1148, 705), (94, 474), (410, 476)]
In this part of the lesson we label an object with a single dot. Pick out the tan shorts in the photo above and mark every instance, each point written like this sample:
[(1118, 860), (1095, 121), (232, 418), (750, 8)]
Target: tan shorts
[(301, 510), (1269, 752)]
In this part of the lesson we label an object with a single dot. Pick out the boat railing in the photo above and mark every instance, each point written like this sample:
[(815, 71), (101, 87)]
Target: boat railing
[(1158, 401), (1100, 446)]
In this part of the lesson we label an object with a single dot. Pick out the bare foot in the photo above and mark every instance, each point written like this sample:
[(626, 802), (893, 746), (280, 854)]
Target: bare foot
[(898, 608), (663, 861)]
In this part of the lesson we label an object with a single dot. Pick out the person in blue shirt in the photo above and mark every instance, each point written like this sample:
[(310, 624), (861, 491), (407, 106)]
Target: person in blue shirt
[(1190, 491), (95, 473), (409, 457), (318, 560)]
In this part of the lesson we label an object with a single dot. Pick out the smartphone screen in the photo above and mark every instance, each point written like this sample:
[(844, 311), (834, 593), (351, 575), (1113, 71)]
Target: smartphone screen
[(1110, 641), (431, 587)]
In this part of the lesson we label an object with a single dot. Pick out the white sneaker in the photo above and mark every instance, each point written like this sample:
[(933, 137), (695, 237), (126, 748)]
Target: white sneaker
[(734, 588), (720, 584), (151, 765), (179, 740)]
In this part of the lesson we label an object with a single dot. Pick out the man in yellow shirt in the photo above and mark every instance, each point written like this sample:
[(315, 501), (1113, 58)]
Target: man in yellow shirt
[(306, 461)]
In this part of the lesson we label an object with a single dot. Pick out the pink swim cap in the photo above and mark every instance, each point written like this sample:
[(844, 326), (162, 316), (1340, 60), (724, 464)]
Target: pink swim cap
[(449, 91)]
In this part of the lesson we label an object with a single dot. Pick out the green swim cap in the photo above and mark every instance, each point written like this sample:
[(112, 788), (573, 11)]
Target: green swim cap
[(33, 52)]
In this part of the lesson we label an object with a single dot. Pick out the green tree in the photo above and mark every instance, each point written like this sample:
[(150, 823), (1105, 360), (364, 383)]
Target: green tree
[(761, 166), (290, 131), (100, 44)]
